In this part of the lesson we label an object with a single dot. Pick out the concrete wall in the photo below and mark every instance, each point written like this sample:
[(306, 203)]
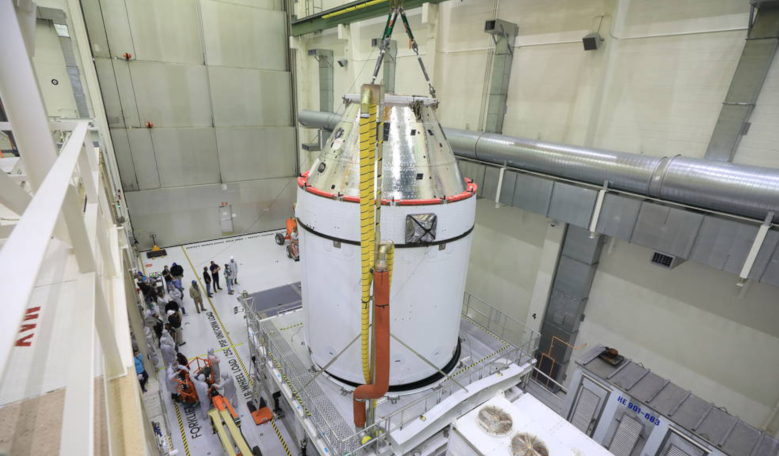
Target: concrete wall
[(655, 87), (505, 252), (214, 80), (689, 324)]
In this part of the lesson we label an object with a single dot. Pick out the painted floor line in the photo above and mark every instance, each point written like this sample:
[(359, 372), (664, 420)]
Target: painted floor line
[(213, 308), (205, 354), (281, 438), (181, 428)]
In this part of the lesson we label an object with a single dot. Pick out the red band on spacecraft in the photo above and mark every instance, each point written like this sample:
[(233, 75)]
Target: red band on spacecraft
[(470, 191)]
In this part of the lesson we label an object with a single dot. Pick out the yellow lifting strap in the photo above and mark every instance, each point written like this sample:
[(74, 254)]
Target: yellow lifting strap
[(368, 109)]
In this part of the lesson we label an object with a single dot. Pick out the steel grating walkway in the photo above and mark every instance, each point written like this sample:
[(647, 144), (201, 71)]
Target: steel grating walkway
[(315, 402)]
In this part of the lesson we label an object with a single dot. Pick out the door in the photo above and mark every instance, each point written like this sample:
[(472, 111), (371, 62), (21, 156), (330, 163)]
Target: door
[(587, 406), (626, 437), (226, 219)]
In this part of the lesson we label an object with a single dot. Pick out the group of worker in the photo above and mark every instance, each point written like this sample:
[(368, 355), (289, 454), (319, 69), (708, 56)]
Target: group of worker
[(178, 370), (211, 276), (163, 317)]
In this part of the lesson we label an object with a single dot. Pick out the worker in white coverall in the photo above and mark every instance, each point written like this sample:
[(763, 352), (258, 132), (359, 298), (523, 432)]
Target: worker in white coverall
[(168, 351), (155, 359), (234, 266), (227, 389), (229, 279), (167, 338), (214, 363), (170, 374), (176, 295), (202, 394)]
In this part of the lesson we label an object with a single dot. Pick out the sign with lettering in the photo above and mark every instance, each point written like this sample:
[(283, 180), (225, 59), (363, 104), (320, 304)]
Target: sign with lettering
[(27, 329), (641, 412)]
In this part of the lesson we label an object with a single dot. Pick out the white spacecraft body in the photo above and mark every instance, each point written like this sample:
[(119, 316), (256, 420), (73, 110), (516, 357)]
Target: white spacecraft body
[(428, 211)]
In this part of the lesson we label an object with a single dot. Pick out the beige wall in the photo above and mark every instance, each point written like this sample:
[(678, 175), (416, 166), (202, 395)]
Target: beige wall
[(505, 253), (689, 324), (213, 79)]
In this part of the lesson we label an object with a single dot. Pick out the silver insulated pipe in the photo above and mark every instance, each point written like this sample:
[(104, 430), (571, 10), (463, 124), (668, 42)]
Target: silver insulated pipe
[(749, 191)]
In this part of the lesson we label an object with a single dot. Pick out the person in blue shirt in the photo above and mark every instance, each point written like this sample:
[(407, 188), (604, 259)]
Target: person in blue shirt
[(140, 370)]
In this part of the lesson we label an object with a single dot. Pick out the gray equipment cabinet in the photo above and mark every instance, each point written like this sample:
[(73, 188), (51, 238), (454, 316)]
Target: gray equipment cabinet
[(632, 411)]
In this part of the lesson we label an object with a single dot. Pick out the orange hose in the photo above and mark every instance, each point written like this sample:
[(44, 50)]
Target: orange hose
[(381, 343)]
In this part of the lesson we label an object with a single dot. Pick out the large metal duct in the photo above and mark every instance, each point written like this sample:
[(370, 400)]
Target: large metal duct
[(749, 191)]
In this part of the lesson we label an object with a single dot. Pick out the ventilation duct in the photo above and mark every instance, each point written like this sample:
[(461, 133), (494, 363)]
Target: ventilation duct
[(665, 261), (494, 420), (748, 191)]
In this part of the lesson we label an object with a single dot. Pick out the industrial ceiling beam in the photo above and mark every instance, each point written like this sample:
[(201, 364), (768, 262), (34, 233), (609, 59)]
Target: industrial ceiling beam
[(346, 14)]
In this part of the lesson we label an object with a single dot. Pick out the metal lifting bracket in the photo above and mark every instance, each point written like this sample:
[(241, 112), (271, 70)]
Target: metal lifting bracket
[(395, 11)]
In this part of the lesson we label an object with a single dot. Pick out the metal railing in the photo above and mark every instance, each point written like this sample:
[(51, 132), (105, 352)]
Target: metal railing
[(88, 221), (512, 342), (543, 392)]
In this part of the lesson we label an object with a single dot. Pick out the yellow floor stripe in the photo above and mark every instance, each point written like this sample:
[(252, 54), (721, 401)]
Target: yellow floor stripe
[(206, 354), (290, 327), (221, 349), (213, 308), (281, 438), (181, 428), (143, 266)]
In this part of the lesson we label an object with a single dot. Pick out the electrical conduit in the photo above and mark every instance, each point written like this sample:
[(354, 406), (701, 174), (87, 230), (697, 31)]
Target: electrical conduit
[(381, 335)]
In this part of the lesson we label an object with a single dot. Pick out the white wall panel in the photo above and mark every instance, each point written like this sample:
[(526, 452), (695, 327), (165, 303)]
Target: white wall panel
[(651, 17), (110, 92), (186, 156), (143, 158), (256, 153), (505, 253), (171, 95), (671, 93), (124, 159), (460, 89), (117, 27), (166, 30), (190, 214), (542, 102), (242, 36), (250, 98), (93, 17), (124, 84)]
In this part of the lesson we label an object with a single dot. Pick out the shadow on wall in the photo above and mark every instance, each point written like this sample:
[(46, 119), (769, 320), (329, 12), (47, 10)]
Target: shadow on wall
[(700, 286), (505, 252), (201, 213)]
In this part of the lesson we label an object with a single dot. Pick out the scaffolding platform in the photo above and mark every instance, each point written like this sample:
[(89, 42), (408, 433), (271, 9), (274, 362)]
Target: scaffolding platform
[(496, 353)]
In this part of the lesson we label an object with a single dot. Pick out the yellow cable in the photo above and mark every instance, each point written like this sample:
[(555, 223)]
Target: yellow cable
[(367, 221)]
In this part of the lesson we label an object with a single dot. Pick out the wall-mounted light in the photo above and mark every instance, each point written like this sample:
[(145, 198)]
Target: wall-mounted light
[(592, 41), (343, 62)]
